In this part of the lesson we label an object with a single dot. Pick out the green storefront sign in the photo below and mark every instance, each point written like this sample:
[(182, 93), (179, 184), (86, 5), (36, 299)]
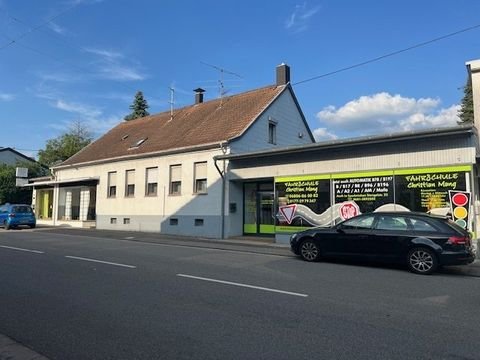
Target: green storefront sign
[(305, 201)]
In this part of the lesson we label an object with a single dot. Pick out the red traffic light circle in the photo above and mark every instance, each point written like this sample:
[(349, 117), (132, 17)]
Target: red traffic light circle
[(459, 199)]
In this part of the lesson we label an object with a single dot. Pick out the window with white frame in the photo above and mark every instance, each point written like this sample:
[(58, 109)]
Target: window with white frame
[(130, 183), (151, 179), (200, 177), (175, 179), (272, 132), (112, 184)]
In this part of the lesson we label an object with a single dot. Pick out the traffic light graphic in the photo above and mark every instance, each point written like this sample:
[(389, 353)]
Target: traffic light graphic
[(460, 207)]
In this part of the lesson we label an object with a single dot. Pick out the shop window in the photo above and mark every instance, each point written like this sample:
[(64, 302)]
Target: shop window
[(175, 179), (112, 184), (130, 183), (151, 179), (200, 177)]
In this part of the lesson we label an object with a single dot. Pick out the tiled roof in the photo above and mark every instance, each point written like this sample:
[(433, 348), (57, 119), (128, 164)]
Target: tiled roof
[(200, 124)]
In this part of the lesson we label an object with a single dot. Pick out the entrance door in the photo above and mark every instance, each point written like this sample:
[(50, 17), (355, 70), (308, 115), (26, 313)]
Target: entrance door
[(258, 213)]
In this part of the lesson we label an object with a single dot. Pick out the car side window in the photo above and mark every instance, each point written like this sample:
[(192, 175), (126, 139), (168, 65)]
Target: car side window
[(388, 222), (362, 222), (420, 225)]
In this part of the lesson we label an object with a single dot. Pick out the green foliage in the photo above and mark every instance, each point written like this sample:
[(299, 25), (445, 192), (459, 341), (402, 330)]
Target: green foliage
[(17, 195), (139, 107), (466, 109), (64, 146)]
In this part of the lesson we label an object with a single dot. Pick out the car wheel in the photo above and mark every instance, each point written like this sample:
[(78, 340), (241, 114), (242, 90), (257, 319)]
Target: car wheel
[(32, 226), (422, 261), (309, 250), (6, 225)]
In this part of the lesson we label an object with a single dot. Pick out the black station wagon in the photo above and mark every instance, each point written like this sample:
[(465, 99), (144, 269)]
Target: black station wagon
[(423, 242)]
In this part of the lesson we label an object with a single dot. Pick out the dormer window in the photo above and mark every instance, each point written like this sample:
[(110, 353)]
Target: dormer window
[(124, 137), (137, 144)]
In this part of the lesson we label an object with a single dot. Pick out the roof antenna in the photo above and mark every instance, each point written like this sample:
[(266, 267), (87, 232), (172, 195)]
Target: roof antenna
[(221, 86), (172, 101)]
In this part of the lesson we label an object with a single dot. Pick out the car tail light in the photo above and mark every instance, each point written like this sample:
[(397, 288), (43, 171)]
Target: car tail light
[(458, 240), (11, 215)]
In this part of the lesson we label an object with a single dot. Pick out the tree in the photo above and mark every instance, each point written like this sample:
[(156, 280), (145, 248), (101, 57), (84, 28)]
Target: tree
[(139, 107), (466, 110), (8, 190), (66, 145)]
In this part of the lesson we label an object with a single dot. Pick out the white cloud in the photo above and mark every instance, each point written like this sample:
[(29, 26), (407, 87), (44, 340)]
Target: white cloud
[(322, 134), (120, 72), (112, 65), (107, 54), (84, 110), (57, 28), (6, 97), (298, 21), (386, 113)]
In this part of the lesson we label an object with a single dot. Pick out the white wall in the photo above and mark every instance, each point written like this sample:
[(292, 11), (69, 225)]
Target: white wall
[(148, 213), (289, 122)]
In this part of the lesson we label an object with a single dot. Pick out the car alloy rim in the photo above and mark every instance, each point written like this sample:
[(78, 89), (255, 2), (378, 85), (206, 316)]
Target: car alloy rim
[(421, 261), (309, 250)]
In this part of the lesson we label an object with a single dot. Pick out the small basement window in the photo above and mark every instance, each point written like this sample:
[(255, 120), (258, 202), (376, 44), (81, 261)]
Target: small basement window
[(113, 220), (126, 221), (198, 222), (173, 221)]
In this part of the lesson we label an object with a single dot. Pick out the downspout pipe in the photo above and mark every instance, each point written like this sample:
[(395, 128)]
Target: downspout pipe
[(222, 174)]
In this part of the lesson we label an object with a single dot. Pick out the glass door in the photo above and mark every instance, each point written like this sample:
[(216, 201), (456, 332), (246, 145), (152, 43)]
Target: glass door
[(258, 213)]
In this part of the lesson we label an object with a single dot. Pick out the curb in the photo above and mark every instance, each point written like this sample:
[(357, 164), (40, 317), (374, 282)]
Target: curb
[(11, 350)]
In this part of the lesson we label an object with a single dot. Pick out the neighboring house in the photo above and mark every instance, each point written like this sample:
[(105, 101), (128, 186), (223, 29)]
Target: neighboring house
[(158, 173), (11, 156)]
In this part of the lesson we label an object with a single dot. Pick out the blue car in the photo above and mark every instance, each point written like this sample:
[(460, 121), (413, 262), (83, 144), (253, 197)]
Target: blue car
[(14, 215)]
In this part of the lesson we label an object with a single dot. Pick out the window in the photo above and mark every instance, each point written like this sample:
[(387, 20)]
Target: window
[(200, 177), (130, 183), (175, 179), (198, 222), (362, 222), (272, 132), (173, 221), (112, 184), (386, 222), (126, 221), (420, 225), (113, 220), (151, 179)]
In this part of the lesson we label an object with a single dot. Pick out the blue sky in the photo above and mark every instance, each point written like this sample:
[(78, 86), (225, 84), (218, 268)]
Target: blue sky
[(87, 63)]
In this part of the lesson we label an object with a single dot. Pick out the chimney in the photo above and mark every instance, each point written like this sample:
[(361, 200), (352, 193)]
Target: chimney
[(283, 74), (199, 95)]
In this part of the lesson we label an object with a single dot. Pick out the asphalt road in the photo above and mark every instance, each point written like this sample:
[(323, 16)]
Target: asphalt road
[(85, 295)]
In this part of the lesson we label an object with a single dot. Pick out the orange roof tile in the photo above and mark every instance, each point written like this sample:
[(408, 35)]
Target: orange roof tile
[(200, 124)]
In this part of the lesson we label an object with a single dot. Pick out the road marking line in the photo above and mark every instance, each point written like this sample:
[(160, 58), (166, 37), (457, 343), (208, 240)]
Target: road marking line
[(20, 249), (242, 285), (100, 261)]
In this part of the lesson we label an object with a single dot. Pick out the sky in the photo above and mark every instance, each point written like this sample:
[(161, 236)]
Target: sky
[(69, 61)]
